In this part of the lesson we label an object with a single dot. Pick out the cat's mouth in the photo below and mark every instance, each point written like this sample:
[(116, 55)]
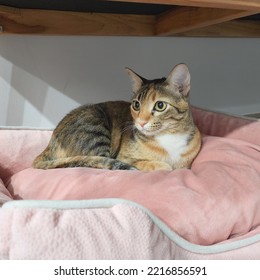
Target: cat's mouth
[(149, 130)]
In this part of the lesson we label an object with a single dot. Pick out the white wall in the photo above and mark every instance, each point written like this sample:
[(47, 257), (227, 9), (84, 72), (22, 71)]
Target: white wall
[(42, 77)]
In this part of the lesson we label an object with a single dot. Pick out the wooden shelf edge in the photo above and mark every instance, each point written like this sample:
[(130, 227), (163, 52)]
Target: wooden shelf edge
[(194, 22), (45, 22), (231, 29), (253, 5)]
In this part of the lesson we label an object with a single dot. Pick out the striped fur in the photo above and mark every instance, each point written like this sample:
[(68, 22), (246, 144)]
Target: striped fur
[(153, 132)]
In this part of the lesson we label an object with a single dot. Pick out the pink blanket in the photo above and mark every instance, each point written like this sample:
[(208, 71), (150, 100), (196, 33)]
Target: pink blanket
[(216, 202)]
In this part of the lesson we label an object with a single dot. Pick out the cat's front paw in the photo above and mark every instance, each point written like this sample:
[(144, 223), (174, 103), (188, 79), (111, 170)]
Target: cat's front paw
[(153, 165), (159, 166)]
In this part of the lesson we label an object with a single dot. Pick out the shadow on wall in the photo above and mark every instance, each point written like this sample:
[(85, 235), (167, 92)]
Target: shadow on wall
[(49, 76), (23, 88), (32, 102)]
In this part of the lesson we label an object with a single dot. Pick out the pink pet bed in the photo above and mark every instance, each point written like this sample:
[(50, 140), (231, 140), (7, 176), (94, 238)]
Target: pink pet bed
[(211, 211)]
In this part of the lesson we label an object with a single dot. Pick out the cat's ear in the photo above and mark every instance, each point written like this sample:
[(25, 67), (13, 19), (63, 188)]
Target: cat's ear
[(137, 81), (178, 80)]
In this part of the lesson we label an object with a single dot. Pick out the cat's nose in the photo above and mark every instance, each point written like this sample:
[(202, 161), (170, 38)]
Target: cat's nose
[(142, 123)]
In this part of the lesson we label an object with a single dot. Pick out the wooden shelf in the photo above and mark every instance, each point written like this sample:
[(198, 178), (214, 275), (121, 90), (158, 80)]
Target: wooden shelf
[(217, 18)]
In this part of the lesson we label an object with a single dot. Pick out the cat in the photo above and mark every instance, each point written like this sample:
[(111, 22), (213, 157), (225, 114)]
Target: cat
[(155, 131)]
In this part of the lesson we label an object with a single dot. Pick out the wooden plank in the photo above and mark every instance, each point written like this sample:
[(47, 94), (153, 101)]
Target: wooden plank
[(232, 29), (253, 5), (185, 19), (9, 10), (27, 21), (22, 21)]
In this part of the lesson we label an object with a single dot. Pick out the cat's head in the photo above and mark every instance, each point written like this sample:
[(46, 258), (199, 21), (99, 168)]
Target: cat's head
[(161, 105)]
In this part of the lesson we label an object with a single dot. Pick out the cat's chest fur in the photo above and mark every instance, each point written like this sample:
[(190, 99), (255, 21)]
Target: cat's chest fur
[(174, 144)]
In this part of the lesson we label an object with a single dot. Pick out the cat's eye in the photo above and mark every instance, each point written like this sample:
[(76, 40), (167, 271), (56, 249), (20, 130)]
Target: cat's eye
[(136, 105), (160, 106)]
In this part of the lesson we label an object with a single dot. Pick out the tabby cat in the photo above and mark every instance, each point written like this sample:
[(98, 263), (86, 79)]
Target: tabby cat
[(153, 132)]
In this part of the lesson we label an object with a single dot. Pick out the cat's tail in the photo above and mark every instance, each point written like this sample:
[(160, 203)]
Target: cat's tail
[(82, 161)]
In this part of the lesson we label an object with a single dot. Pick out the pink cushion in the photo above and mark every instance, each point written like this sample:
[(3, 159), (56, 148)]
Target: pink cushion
[(4, 194), (218, 198)]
